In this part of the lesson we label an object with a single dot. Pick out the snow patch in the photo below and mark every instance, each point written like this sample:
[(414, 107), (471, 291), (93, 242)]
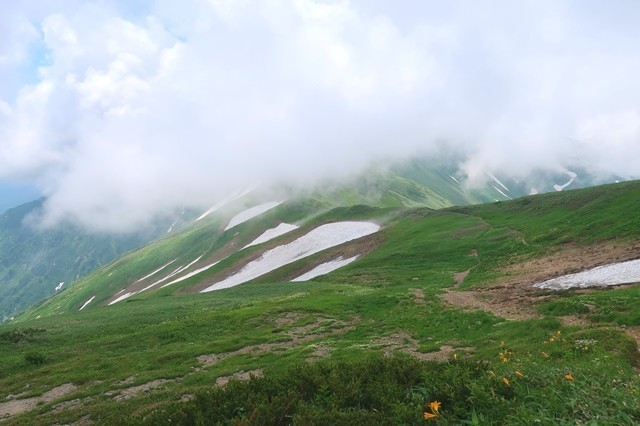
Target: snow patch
[(226, 201), (320, 238), (325, 268), (496, 180), (602, 276), (86, 303), (59, 286), (123, 297), (572, 177), (172, 274), (191, 274), (251, 213), (171, 226), (498, 189), (272, 233), (456, 180), (156, 271)]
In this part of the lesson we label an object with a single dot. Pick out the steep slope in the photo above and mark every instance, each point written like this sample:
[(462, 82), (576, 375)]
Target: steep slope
[(159, 356), (36, 263), (219, 250)]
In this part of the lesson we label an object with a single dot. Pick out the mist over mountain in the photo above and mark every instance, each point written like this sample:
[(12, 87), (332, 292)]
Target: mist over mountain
[(37, 262), (119, 112)]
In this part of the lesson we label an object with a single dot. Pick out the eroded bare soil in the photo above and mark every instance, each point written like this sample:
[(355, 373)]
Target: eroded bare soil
[(403, 342), (514, 296), (19, 406)]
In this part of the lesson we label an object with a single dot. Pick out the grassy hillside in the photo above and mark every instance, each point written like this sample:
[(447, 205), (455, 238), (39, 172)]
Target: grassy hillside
[(33, 262), (441, 310)]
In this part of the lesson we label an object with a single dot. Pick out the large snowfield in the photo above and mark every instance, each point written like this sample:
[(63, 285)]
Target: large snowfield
[(321, 238)]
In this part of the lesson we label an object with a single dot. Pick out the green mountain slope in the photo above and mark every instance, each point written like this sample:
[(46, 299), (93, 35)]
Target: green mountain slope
[(34, 262), (491, 354)]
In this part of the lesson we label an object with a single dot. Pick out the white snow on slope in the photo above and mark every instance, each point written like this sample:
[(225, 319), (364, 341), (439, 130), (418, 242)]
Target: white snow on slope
[(272, 233), (456, 180), (172, 274), (251, 213), (320, 238), (498, 189), (86, 303), (121, 298), (59, 286), (572, 177), (189, 265), (156, 271), (191, 274), (496, 180), (602, 276), (163, 279), (325, 268), (226, 201)]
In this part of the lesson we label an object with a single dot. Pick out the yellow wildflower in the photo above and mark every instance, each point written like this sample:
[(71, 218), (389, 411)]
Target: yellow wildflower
[(506, 381), (519, 374), (569, 376), (434, 406)]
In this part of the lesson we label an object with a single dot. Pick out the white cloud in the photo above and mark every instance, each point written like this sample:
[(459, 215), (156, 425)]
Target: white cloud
[(135, 110)]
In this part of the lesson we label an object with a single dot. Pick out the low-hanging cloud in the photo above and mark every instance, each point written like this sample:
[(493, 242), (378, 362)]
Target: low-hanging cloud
[(121, 112)]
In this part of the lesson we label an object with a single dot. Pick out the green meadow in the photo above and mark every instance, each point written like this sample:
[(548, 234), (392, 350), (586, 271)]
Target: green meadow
[(372, 343)]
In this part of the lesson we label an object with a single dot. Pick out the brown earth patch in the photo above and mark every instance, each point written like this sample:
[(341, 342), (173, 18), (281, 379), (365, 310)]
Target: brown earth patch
[(635, 333), (288, 319), (568, 260), (418, 296), (126, 381), (67, 404), (240, 375), (574, 320), (128, 393), (514, 297), (459, 277), (320, 328), (403, 342), (320, 351), (83, 421), (18, 406)]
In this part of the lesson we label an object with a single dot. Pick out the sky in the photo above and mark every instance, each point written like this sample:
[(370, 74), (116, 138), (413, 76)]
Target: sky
[(118, 111)]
